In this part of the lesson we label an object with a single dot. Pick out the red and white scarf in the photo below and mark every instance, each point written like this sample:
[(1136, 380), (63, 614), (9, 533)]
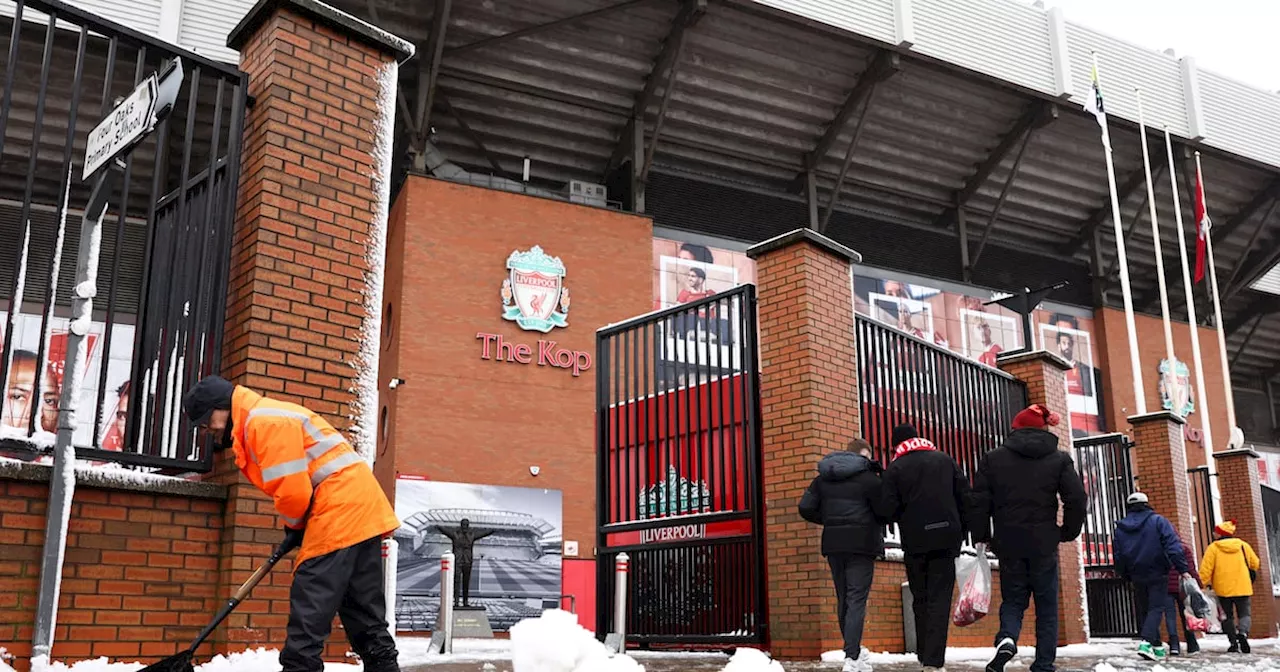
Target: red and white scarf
[(911, 446)]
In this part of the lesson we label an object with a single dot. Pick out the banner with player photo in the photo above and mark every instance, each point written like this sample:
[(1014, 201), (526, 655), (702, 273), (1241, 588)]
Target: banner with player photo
[(34, 389), (700, 345)]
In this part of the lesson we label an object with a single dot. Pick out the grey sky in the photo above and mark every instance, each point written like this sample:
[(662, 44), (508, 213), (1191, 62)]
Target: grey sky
[(1235, 38)]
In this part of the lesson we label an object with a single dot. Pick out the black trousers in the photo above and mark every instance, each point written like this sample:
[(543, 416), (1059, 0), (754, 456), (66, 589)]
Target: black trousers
[(462, 585), (348, 583), (933, 578), (852, 575), (1022, 579)]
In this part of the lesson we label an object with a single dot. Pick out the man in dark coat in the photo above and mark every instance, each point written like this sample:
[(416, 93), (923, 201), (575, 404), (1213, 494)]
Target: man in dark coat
[(1019, 486), (845, 499), (925, 493), (1146, 547)]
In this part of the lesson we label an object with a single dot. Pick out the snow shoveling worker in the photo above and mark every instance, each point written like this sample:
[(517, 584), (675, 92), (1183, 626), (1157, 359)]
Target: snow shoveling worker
[(331, 506)]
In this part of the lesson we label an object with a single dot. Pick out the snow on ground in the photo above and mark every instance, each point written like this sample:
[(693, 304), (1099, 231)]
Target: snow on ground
[(752, 660), (254, 660), (555, 642)]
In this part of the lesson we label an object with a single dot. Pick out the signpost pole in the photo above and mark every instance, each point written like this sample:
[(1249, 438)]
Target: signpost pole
[(62, 484), (127, 124)]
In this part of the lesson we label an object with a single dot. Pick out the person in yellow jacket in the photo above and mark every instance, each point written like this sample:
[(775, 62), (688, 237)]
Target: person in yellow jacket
[(1229, 567), (332, 508)]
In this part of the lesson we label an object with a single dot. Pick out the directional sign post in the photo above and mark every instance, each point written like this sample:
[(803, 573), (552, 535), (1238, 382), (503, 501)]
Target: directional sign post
[(123, 128)]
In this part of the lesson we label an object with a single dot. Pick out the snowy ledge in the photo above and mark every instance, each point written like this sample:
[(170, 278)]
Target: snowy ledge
[(114, 479)]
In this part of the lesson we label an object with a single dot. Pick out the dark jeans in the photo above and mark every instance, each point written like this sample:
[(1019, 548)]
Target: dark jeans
[(1020, 579), (347, 582), (933, 578), (852, 576), (1158, 602), (1233, 607)]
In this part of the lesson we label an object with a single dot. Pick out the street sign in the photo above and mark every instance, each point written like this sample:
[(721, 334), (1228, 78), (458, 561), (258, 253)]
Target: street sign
[(125, 125)]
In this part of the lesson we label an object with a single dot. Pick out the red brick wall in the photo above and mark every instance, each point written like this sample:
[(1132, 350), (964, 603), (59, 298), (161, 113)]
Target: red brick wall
[(463, 419), (306, 206), (1113, 349), (1159, 461), (883, 629), (140, 577), (1242, 502), (809, 407)]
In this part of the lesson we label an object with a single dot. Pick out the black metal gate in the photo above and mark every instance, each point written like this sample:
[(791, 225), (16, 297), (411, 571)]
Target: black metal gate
[(965, 407), (1104, 466), (1203, 516), (166, 241), (678, 472)]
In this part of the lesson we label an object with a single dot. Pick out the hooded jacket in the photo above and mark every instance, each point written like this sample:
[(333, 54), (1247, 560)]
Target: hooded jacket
[(1146, 547), (1226, 566), (1018, 486), (845, 500)]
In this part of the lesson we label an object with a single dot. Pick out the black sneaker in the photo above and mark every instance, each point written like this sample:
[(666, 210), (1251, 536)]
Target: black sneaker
[(1235, 646), (1005, 651), (1244, 645)]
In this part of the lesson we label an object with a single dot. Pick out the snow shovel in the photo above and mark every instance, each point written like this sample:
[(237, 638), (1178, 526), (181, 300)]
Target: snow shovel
[(181, 662)]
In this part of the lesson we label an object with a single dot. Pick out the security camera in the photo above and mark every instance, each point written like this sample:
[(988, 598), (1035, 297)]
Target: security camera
[(395, 382)]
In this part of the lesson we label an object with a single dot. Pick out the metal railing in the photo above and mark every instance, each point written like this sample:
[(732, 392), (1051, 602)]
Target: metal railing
[(166, 242), (1203, 517), (1104, 466), (678, 471), (964, 407)]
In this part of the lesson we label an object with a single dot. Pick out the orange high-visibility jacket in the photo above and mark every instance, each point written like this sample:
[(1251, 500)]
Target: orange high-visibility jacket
[(295, 456)]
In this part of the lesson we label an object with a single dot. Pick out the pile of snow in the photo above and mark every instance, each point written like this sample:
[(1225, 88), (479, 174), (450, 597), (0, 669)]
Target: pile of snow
[(755, 660), (555, 642), (254, 660)]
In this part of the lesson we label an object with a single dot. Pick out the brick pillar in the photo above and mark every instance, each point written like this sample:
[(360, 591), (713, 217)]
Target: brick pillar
[(1160, 460), (1045, 375), (307, 255), (809, 404), (1242, 502)]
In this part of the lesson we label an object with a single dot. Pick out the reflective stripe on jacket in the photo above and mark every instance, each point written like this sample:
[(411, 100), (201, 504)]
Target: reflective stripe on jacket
[(302, 462)]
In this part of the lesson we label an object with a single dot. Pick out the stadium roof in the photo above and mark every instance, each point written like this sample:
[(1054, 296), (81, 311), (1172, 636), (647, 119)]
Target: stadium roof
[(961, 95), (482, 518)]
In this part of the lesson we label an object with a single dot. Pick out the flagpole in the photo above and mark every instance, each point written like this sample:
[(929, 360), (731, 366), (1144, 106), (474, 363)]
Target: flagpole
[(1168, 374), (1139, 389), (1202, 393), (1217, 320)]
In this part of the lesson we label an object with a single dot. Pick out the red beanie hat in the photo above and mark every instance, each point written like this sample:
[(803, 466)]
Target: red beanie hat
[(1035, 416)]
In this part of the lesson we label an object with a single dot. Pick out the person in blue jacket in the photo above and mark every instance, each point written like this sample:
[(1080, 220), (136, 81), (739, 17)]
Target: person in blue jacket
[(1146, 547)]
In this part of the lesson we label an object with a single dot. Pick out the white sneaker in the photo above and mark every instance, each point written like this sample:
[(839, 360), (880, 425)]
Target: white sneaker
[(859, 664)]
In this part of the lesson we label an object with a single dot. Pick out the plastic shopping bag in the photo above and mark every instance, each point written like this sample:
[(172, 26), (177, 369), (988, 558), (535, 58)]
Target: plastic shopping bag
[(974, 575), (1196, 602), (1213, 613)]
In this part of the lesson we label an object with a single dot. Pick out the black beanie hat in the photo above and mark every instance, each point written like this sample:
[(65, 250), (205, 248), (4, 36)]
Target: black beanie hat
[(208, 395), (903, 432)]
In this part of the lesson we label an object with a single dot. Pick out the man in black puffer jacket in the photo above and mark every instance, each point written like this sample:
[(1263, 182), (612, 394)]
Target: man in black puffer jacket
[(1019, 486), (925, 493), (845, 500)]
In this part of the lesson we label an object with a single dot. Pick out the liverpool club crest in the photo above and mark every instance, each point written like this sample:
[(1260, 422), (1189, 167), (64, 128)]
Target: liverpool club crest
[(1175, 387), (534, 295)]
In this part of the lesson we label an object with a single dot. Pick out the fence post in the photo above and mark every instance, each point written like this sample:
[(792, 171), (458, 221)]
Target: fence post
[(616, 641), (808, 407), (1045, 375), (390, 558), (1242, 502), (442, 636)]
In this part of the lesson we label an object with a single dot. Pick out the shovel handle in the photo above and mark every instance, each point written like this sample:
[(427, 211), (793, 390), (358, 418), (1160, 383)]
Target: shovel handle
[(239, 596)]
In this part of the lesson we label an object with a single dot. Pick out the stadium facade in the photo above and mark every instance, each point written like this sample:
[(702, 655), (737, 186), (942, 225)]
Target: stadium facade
[(504, 179)]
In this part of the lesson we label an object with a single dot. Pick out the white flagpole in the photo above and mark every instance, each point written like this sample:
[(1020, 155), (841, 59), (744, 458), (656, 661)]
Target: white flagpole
[(1217, 319), (1139, 389), (1169, 375), (1202, 394)]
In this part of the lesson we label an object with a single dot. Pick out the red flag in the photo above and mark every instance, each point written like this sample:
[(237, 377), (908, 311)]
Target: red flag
[(1202, 228)]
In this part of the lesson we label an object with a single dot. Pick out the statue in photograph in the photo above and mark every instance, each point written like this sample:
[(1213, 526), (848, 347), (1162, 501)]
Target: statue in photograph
[(464, 539)]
